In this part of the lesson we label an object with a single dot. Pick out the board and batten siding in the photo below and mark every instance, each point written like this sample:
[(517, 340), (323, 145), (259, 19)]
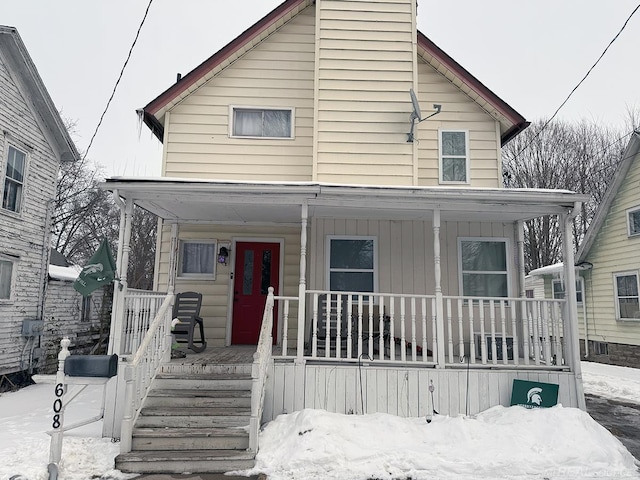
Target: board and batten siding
[(400, 391), (215, 292), (459, 112), (614, 251), (365, 68), (278, 72), (23, 236)]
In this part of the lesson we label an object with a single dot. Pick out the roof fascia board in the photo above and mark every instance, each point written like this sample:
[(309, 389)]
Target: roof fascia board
[(518, 122), (44, 110), (630, 154)]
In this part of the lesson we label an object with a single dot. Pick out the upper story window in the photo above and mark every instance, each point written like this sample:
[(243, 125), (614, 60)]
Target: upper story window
[(454, 156), (197, 258), (14, 180), (558, 290), (633, 221), (262, 122), (6, 278), (352, 264), (483, 267), (625, 285)]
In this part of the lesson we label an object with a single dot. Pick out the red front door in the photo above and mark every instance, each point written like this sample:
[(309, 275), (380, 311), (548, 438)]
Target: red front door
[(257, 268)]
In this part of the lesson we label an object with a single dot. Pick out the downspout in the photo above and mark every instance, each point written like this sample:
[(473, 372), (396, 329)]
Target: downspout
[(570, 297)]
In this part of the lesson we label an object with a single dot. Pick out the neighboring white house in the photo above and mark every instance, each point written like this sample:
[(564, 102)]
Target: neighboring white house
[(33, 142), (332, 151)]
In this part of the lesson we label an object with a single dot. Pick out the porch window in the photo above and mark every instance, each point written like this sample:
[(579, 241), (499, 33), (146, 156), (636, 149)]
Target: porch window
[(633, 221), (352, 264), (14, 180), (6, 278), (627, 300), (483, 267), (197, 258), (262, 122), (454, 156), (85, 309), (558, 290)]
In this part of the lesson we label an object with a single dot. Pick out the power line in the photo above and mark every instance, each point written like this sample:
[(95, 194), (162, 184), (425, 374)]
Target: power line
[(118, 80), (580, 82)]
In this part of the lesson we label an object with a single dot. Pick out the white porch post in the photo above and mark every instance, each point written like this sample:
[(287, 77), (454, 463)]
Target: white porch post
[(299, 363), (438, 283), (571, 322), (521, 270), (173, 259)]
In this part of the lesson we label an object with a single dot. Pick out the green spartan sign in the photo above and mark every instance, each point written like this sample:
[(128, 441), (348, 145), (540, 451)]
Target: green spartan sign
[(534, 394)]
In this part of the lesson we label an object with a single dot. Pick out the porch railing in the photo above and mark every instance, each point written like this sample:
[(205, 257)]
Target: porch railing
[(261, 362), (404, 328), (140, 308), (141, 368)]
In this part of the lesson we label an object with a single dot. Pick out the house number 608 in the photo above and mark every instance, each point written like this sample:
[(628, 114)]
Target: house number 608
[(57, 405)]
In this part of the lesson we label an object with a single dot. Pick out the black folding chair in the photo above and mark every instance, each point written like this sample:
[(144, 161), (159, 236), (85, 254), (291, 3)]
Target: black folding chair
[(187, 310)]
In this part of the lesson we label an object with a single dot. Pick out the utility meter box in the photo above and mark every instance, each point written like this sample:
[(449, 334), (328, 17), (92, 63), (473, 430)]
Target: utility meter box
[(32, 328), (105, 366)]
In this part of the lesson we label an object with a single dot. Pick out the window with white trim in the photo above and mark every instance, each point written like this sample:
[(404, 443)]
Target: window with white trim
[(454, 156), (262, 122), (352, 264), (197, 258), (6, 278), (625, 285), (85, 309), (633, 221), (483, 267), (14, 179), (558, 290)]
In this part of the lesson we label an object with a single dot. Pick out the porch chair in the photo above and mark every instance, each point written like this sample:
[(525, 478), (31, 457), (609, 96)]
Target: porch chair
[(187, 310)]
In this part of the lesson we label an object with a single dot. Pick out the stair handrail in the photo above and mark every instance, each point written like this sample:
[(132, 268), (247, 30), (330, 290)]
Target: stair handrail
[(141, 369), (261, 361)]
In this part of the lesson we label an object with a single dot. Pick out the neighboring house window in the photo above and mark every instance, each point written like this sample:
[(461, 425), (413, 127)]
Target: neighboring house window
[(352, 264), (483, 267), (558, 290), (14, 180), (454, 156), (262, 122), (197, 258), (633, 221), (6, 278), (85, 313), (626, 289), (529, 293)]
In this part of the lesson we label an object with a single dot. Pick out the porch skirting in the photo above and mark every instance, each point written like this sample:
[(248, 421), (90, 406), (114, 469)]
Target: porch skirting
[(399, 390)]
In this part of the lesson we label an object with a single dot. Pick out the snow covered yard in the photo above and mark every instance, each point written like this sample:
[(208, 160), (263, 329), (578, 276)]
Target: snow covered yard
[(501, 443)]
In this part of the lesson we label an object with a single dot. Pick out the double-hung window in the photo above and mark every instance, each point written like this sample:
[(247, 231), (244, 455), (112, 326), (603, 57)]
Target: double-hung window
[(454, 156), (352, 264), (14, 179), (625, 285), (558, 290), (6, 278), (197, 258), (262, 122), (483, 267), (633, 221)]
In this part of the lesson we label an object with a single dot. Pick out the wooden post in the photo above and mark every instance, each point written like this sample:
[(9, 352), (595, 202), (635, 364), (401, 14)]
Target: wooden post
[(438, 284), (55, 453), (299, 364)]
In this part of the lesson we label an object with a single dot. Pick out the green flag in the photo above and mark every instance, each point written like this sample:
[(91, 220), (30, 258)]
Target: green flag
[(101, 270)]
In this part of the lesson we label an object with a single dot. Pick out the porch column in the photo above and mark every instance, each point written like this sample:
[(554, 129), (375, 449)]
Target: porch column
[(439, 301), (521, 270), (571, 322), (173, 259), (302, 285)]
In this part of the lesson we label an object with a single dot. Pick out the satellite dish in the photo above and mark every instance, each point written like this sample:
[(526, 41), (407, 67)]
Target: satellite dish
[(416, 106)]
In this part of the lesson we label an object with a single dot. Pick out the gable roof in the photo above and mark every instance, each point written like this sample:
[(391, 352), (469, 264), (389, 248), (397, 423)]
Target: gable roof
[(630, 154), (19, 61), (511, 121)]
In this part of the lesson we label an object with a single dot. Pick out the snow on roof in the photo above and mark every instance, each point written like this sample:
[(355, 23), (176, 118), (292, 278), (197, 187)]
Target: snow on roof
[(548, 270), (68, 274)]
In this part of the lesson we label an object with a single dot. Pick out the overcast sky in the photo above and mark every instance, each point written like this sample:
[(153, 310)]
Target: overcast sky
[(531, 53)]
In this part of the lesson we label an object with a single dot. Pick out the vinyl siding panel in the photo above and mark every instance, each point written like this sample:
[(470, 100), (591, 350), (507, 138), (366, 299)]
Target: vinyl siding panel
[(365, 69), (459, 112), (278, 72), (614, 251), (23, 236)]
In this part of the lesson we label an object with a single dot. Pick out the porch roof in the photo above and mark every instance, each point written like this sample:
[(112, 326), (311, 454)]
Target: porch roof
[(226, 201)]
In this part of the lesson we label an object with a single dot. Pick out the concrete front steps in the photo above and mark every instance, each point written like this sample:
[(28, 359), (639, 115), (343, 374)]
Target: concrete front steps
[(193, 423)]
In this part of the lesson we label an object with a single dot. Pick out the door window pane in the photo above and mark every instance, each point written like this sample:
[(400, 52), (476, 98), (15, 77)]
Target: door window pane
[(247, 273), (266, 272)]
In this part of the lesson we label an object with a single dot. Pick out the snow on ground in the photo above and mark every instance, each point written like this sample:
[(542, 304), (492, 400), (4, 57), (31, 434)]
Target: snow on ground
[(501, 443)]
